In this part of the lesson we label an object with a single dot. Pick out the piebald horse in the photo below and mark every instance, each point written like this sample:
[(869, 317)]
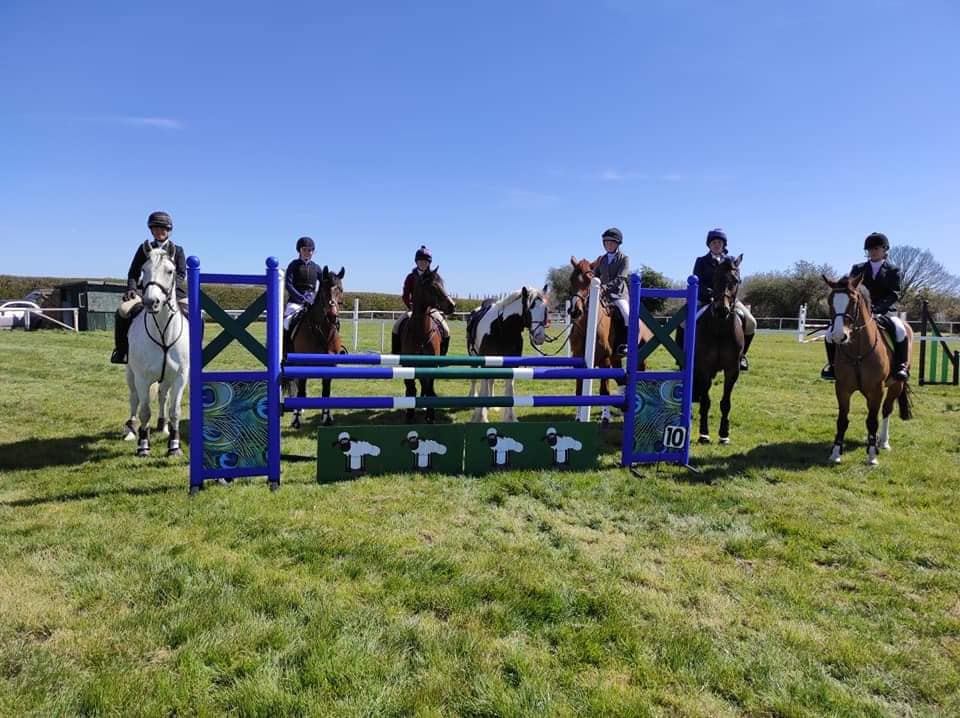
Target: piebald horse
[(863, 363), (496, 329), (159, 354)]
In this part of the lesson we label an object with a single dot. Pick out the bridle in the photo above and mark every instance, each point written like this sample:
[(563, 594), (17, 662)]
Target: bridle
[(170, 300)]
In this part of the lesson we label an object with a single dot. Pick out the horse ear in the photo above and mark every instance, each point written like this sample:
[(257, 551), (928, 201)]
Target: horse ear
[(524, 295), (546, 289), (573, 261), (341, 272), (736, 262), (171, 250), (855, 281), (435, 270)]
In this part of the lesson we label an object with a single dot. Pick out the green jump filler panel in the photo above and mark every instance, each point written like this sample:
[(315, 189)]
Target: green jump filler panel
[(521, 445), (351, 451)]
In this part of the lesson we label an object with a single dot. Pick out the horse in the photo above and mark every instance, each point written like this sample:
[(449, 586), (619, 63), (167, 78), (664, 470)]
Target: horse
[(496, 329), (317, 332), (159, 353), (608, 338), (863, 363), (720, 343), (418, 334)]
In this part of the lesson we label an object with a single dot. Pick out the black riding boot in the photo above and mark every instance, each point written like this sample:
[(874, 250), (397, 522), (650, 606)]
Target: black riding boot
[(900, 361), (827, 371), (747, 341), (620, 331), (287, 342), (444, 345), (121, 325)]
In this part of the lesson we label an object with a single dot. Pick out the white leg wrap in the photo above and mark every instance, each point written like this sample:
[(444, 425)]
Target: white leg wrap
[(835, 454)]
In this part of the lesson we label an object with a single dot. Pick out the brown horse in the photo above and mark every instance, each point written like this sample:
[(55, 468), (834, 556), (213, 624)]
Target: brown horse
[(419, 334), (610, 334), (719, 347), (317, 332), (864, 363)]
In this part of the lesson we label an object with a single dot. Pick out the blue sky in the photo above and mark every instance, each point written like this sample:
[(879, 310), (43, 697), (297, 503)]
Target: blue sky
[(504, 135)]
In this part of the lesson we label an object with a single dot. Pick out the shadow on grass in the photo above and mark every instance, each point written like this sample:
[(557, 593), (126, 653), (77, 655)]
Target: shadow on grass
[(87, 495), (793, 456)]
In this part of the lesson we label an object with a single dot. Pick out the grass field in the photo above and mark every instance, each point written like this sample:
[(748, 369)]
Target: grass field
[(770, 585)]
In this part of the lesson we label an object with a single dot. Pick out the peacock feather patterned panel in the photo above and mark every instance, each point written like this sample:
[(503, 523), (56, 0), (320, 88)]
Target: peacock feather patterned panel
[(234, 424), (659, 405)]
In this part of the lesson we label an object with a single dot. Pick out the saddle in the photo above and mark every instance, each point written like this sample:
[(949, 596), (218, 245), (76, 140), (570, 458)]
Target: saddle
[(473, 321), (402, 322)]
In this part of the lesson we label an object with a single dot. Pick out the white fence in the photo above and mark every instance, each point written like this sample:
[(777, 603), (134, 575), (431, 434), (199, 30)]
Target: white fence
[(21, 313)]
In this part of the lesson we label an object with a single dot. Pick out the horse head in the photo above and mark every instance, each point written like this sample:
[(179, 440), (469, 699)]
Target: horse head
[(726, 284), (580, 280), (534, 313), (330, 292), (430, 292), (848, 302), (159, 281)]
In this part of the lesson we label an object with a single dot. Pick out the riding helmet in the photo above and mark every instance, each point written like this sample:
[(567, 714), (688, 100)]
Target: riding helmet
[(423, 253), (717, 234), (613, 234), (877, 239), (160, 219), (305, 242)]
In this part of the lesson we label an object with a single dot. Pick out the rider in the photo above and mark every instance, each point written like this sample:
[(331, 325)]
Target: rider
[(612, 268), (423, 259), (301, 281), (882, 279), (160, 225), (704, 269)]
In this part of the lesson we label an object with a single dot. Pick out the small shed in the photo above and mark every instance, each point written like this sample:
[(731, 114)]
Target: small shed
[(97, 301)]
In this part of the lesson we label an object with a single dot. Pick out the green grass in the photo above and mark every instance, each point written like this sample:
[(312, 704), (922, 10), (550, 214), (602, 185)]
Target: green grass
[(771, 585)]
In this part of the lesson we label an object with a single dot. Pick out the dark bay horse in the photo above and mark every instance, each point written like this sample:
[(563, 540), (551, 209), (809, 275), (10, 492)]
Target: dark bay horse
[(719, 347), (496, 329), (863, 363), (317, 332), (609, 335), (419, 334)]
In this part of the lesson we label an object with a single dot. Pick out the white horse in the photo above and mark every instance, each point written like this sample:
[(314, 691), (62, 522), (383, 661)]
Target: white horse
[(159, 354), (496, 329)]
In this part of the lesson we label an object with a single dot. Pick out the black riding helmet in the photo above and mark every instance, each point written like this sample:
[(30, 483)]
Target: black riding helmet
[(717, 234), (876, 239), (305, 242), (423, 253), (613, 234), (160, 219)]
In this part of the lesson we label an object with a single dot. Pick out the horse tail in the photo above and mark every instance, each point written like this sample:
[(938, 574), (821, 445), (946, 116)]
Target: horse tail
[(905, 402)]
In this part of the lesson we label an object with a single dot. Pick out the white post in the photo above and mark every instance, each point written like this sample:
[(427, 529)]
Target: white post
[(802, 323), (356, 323), (383, 324), (590, 347)]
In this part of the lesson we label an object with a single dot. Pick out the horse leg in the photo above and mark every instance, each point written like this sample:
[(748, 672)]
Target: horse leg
[(893, 393), (730, 377), (508, 413), (130, 428), (326, 418), (477, 415), (163, 391), (843, 410), (426, 389), (605, 410), (704, 394), (410, 389), (176, 398), (298, 413), (143, 392), (874, 400)]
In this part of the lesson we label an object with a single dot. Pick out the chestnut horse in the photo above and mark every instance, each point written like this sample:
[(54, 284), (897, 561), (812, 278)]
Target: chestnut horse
[(419, 333), (317, 332), (608, 336), (719, 347), (863, 363)]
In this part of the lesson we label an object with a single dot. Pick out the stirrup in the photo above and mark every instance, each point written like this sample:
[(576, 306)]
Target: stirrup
[(827, 373), (902, 374), (118, 357), (744, 364)]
